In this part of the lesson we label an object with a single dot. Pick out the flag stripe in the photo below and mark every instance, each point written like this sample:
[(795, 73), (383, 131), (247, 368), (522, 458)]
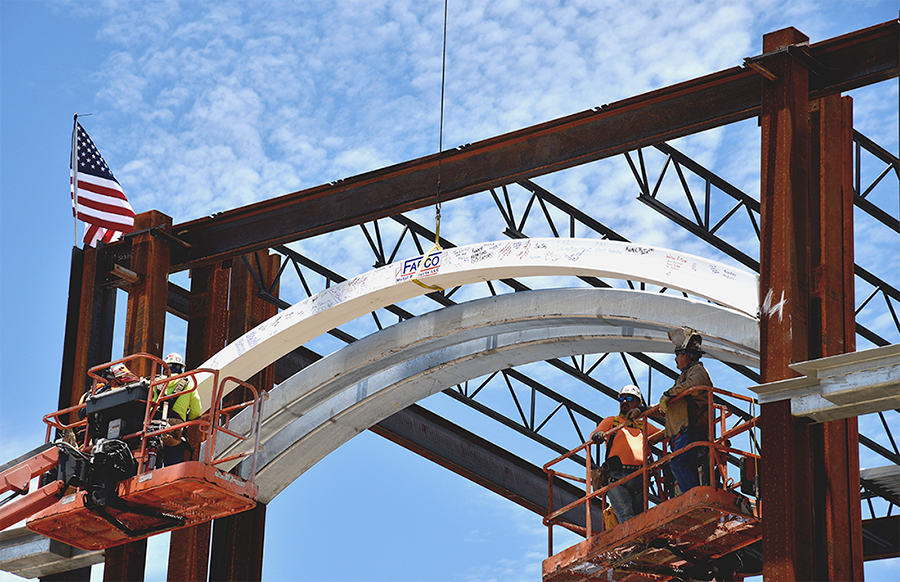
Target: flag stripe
[(97, 197), (108, 223), (101, 189), (103, 206), (114, 213)]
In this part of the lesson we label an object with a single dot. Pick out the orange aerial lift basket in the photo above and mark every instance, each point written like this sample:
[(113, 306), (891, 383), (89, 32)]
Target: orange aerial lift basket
[(699, 535), (151, 498)]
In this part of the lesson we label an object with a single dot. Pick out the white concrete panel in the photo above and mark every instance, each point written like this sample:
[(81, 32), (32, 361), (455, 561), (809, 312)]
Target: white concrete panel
[(332, 400), (393, 283)]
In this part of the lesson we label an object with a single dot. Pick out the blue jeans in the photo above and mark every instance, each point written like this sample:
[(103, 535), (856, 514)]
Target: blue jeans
[(627, 500), (685, 465)]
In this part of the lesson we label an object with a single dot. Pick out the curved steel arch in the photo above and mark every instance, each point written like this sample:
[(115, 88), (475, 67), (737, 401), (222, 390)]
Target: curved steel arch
[(324, 405), (272, 339)]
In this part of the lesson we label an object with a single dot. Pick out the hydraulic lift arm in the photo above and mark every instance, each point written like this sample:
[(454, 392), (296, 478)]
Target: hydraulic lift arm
[(17, 477)]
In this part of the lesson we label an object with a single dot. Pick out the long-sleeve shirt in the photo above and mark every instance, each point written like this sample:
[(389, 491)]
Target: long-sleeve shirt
[(679, 412)]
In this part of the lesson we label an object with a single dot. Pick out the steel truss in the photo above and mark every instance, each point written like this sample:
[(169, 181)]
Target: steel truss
[(743, 205), (524, 392)]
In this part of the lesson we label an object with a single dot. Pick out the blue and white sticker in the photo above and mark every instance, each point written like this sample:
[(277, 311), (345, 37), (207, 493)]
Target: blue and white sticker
[(411, 266)]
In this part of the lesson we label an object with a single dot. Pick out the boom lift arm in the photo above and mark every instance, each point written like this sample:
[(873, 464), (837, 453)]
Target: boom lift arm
[(17, 479), (109, 487)]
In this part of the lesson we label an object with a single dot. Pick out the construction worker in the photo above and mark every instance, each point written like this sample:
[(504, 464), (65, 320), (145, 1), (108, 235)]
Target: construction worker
[(625, 453), (176, 411), (686, 418)]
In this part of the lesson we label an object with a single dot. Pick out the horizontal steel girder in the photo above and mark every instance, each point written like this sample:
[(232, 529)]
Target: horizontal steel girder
[(857, 59), (481, 461)]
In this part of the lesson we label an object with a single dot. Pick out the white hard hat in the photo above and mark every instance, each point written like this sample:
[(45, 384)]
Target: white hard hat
[(688, 341), (633, 390), (174, 358)]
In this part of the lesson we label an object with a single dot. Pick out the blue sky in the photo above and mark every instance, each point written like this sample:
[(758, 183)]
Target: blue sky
[(200, 107)]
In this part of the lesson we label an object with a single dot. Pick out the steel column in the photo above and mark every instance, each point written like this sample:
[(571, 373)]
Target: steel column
[(208, 320), (96, 314), (247, 308), (145, 324), (189, 547), (88, 342), (786, 469), (237, 546), (245, 530), (71, 346), (144, 332), (838, 511), (69, 393), (809, 472)]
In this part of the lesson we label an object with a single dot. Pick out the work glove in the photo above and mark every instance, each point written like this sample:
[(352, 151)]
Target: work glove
[(664, 402), (597, 438), (634, 413)]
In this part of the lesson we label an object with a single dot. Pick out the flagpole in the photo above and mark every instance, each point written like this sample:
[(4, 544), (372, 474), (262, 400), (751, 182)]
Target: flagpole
[(75, 177)]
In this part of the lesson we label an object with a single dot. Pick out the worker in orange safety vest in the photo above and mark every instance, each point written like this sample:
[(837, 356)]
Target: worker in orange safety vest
[(625, 453)]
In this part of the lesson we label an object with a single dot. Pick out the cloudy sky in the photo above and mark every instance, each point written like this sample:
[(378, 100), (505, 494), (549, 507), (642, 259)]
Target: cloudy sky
[(200, 107)]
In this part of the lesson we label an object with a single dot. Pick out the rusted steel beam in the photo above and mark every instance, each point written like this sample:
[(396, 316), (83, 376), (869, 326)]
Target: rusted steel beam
[(809, 472), (145, 324), (839, 545), (208, 318), (126, 562), (247, 309), (786, 465), (88, 341), (882, 538), (237, 546), (179, 301), (189, 553), (207, 328), (94, 327), (852, 60), (144, 331), (481, 461)]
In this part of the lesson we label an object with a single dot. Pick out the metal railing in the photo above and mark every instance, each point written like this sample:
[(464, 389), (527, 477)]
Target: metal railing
[(216, 420), (651, 470)]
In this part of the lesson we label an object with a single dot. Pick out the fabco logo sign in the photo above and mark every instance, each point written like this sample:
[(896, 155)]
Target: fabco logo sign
[(411, 266)]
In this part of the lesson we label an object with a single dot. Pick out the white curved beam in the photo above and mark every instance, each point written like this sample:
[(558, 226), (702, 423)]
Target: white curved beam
[(330, 401), (393, 283)]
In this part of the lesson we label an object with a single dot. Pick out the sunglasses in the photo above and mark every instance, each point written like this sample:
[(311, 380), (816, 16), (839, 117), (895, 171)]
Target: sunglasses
[(628, 398)]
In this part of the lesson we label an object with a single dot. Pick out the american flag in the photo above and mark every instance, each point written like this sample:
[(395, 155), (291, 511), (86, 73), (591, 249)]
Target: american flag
[(97, 198)]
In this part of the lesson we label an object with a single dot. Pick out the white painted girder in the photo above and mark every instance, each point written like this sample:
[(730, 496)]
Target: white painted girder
[(393, 283), (332, 400), (840, 386)]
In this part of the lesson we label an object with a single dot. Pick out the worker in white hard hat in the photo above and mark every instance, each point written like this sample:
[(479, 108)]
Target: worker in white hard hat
[(176, 411), (686, 418), (625, 453)]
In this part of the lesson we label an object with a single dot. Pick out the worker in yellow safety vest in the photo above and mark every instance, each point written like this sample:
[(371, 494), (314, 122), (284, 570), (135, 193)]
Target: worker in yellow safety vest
[(177, 447)]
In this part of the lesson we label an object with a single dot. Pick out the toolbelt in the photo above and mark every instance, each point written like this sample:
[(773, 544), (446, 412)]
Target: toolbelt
[(600, 477)]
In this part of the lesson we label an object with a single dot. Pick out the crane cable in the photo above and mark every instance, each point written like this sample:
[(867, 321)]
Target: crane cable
[(427, 260)]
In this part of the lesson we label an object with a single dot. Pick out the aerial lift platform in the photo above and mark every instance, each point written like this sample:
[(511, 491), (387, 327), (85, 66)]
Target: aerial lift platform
[(104, 484), (697, 535)]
